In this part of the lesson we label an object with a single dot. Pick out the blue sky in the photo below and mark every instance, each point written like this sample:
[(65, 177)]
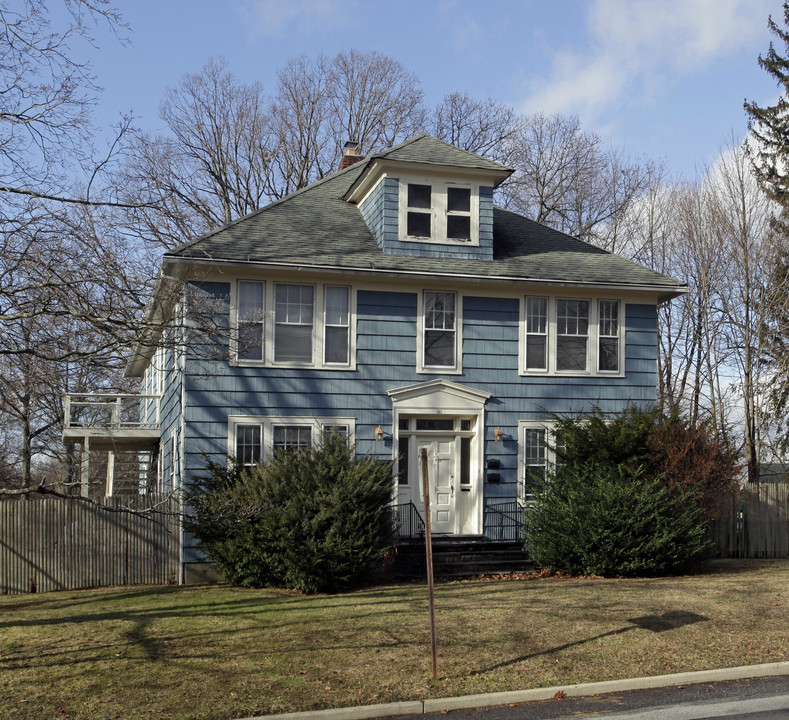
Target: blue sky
[(660, 78)]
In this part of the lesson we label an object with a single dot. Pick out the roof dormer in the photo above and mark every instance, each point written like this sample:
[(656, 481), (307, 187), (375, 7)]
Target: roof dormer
[(427, 198)]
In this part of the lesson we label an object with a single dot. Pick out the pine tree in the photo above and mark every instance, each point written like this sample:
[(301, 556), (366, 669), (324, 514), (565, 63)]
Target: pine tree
[(769, 150), (769, 126)]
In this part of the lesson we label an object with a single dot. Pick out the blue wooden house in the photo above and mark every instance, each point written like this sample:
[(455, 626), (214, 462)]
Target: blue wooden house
[(394, 302)]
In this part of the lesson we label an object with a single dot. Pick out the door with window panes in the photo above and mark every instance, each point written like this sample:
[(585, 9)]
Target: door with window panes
[(453, 494)]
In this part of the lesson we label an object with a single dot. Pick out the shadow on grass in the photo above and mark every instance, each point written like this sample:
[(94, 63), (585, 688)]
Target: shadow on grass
[(654, 623)]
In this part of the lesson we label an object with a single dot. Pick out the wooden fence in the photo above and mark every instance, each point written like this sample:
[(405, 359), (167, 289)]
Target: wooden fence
[(755, 524), (49, 543)]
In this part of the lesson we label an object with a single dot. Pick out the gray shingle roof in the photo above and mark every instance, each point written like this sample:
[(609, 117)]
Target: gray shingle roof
[(315, 227), (425, 148)]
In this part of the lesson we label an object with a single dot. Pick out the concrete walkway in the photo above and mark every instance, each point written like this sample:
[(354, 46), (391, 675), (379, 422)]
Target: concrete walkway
[(420, 707)]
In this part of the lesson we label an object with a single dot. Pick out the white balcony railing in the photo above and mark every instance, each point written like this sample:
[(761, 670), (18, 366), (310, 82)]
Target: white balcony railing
[(111, 412)]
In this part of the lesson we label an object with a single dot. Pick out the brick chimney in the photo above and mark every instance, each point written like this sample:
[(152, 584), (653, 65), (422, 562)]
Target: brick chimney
[(349, 156)]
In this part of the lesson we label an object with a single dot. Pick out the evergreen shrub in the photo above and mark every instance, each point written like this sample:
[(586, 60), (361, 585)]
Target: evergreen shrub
[(631, 494), (315, 519)]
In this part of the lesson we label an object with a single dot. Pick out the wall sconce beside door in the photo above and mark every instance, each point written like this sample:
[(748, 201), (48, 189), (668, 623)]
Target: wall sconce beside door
[(498, 435), (379, 433)]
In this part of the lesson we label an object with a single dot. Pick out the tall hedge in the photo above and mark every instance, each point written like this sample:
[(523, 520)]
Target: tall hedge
[(315, 519), (631, 494), (612, 521)]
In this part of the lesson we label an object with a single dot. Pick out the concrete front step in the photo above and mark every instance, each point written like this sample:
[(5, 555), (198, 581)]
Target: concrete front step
[(454, 558)]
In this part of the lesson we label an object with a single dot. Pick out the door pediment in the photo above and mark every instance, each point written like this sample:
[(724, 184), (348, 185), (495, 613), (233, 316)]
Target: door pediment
[(438, 395)]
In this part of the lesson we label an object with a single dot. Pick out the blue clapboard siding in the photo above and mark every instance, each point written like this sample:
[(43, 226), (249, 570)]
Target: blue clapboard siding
[(386, 345), (386, 359)]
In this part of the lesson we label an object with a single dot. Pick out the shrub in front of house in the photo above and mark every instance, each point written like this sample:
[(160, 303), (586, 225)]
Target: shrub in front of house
[(688, 456), (615, 521), (315, 519), (632, 494)]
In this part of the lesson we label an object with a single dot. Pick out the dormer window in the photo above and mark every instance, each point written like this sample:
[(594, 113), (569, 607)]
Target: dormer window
[(439, 211), (420, 210), (459, 213)]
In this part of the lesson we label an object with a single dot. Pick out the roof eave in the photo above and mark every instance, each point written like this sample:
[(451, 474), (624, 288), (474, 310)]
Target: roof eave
[(376, 167), (664, 292)]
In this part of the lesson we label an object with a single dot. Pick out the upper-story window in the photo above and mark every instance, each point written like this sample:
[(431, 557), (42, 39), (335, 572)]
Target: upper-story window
[(310, 324), (459, 213), (336, 325), (251, 320), (439, 211), (439, 331), (571, 336), (608, 336), (293, 323)]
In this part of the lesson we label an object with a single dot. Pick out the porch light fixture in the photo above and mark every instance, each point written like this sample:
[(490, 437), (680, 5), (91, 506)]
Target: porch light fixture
[(498, 436), (379, 433)]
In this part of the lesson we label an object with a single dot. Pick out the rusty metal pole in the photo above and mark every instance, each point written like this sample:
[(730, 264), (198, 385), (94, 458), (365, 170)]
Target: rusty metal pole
[(429, 558)]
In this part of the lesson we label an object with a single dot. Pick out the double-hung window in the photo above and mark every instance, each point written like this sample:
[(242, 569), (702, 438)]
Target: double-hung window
[(439, 332), (535, 460), (250, 339), (537, 334), (572, 335), (608, 336), (293, 321), (254, 437), (288, 323), (249, 443), (337, 325), (291, 437)]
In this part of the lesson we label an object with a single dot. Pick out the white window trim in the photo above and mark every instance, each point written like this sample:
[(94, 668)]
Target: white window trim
[(550, 456), (318, 326), (439, 211), (266, 423), (592, 360), (618, 336), (325, 325), (457, 369)]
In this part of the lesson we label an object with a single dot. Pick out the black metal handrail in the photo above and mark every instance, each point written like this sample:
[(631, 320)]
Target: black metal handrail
[(408, 523), (505, 521)]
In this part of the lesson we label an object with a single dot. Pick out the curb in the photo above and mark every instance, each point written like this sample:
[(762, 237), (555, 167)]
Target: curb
[(465, 702)]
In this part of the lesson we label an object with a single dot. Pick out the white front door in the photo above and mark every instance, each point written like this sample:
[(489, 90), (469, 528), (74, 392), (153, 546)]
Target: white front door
[(441, 481)]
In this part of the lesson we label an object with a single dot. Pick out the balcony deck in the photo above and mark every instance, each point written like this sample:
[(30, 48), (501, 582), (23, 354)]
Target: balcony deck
[(111, 419)]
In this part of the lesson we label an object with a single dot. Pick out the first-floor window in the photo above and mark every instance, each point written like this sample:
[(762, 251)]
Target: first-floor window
[(252, 438), (249, 443), (439, 329), (535, 461), (572, 335), (291, 437), (335, 430)]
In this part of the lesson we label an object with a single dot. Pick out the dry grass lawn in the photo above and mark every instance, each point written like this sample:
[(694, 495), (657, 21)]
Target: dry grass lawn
[(219, 653)]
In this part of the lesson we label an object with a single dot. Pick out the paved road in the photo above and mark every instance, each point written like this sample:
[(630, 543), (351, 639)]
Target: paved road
[(756, 699)]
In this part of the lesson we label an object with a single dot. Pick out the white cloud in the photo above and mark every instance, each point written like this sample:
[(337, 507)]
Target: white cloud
[(635, 47), (277, 17)]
